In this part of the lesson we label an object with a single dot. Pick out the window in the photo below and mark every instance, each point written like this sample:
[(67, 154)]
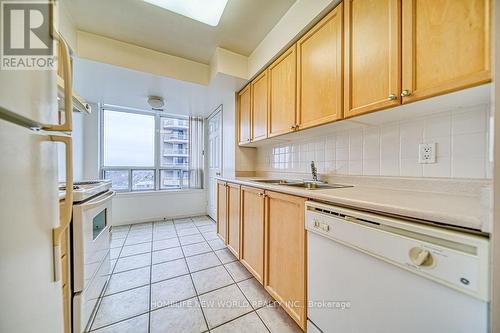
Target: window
[(147, 151)]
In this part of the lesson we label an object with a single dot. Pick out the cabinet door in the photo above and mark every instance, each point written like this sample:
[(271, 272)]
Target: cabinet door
[(260, 102), (282, 94), (222, 210), (244, 115), (233, 218), (372, 55), (286, 254), (446, 46), (252, 231), (319, 72)]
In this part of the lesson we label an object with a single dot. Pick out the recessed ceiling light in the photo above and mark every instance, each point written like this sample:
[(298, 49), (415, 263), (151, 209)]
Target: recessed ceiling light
[(206, 11)]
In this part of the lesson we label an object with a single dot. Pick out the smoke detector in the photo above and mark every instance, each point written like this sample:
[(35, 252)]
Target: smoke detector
[(156, 102)]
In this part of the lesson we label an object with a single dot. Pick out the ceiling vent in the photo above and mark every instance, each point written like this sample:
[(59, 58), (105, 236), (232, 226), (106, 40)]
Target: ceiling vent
[(156, 102)]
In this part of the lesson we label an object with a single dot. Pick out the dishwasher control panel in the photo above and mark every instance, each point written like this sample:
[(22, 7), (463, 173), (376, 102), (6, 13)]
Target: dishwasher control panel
[(456, 259)]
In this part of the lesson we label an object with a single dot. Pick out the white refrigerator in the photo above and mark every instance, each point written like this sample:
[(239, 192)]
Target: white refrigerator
[(31, 216)]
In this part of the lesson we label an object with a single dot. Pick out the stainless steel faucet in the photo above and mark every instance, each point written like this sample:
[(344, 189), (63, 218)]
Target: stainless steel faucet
[(314, 171)]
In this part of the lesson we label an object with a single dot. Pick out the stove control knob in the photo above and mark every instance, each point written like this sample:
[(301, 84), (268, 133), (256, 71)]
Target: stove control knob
[(421, 257)]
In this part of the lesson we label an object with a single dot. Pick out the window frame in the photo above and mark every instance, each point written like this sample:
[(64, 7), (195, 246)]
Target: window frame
[(158, 115)]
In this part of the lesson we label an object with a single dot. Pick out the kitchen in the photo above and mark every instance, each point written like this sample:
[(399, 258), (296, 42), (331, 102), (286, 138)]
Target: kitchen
[(257, 166)]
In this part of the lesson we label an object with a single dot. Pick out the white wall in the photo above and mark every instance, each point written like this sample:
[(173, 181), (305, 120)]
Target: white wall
[(78, 150), (91, 147), (222, 92), (495, 306), (302, 15), (150, 206)]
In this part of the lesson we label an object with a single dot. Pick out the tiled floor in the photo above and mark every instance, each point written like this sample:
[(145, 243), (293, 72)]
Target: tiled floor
[(177, 276)]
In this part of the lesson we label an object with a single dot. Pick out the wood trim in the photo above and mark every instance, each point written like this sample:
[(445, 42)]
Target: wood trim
[(221, 183), (336, 12), (254, 190), (238, 114), (236, 252), (291, 51), (395, 62), (264, 74), (300, 317), (409, 59)]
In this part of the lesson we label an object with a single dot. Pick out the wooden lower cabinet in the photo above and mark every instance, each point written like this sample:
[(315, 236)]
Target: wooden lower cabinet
[(265, 230), (285, 254), (65, 277), (252, 231), (233, 218), (222, 210)]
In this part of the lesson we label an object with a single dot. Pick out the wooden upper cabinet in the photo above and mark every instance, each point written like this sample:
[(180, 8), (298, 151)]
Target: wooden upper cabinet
[(282, 94), (252, 231), (286, 264), (319, 72), (260, 104), (233, 218), (244, 115), (446, 46), (222, 210), (372, 55)]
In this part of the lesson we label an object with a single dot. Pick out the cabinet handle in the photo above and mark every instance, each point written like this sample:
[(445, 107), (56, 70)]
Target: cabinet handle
[(392, 97), (405, 93)]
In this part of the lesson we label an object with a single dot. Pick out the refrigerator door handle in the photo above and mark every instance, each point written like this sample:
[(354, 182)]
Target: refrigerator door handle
[(67, 206), (67, 126)]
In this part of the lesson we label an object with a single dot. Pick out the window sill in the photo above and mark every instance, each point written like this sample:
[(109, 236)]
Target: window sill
[(161, 192)]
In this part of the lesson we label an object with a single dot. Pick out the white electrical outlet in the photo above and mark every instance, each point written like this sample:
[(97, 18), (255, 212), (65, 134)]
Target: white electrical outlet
[(427, 153)]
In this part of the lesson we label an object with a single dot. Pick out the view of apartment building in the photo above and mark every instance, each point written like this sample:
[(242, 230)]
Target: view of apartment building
[(174, 141)]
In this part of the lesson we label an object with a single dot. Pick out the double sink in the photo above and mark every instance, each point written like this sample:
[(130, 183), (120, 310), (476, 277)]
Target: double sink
[(308, 185)]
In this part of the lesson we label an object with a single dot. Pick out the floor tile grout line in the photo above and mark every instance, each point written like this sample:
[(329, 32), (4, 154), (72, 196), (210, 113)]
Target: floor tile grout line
[(119, 321), (161, 262), (108, 280), (235, 318), (190, 273), (194, 286), (150, 279), (249, 303), (128, 270), (237, 285), (225, 268)]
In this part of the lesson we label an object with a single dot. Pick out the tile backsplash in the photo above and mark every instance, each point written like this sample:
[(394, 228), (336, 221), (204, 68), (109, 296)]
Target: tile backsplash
[(391, 149)]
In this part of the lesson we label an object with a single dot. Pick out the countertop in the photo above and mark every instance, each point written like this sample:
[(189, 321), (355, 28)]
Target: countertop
[(461, 210)]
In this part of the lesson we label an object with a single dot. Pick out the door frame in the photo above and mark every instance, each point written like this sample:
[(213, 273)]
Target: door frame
[(216, 111)]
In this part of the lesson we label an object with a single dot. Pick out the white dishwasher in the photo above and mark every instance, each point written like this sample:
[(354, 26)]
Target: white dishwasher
[(372, 273)]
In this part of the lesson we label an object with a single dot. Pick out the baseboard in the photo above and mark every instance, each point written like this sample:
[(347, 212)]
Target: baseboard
[(159, 218)]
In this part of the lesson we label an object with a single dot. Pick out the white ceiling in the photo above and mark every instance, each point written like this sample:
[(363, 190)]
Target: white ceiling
[(102, 83), (242, 27)]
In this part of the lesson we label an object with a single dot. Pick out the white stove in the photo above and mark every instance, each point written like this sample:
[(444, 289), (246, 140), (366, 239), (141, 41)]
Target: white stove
[(85, 190), (90, 245)]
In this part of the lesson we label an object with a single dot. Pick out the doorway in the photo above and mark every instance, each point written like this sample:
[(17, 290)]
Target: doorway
[(214, 153)]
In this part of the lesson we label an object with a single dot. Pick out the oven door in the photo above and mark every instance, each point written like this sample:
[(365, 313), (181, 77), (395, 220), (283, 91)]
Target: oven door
[(91, 238)]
